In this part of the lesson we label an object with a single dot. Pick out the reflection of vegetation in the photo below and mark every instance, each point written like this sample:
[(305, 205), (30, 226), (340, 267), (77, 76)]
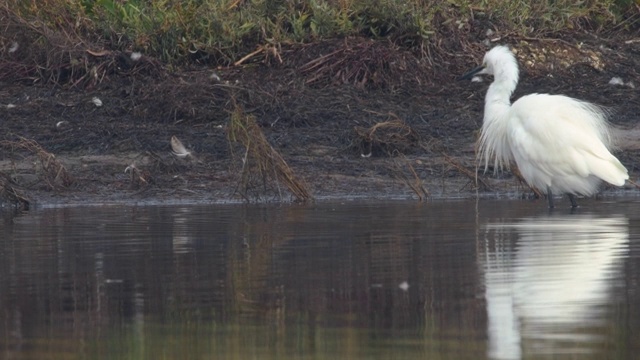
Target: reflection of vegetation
[(260, 341), (215, 283)]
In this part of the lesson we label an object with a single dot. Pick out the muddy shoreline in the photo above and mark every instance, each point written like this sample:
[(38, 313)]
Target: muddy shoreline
[(328, 132)]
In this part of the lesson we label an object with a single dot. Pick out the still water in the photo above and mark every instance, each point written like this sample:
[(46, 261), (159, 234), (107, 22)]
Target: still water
[(440, 280)]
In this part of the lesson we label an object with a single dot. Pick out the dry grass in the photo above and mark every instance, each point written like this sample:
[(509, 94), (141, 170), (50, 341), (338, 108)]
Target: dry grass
[(262, 165), (138, 178), (51, 171), (390, 137), (412, 180), (466, 171), (364, 64), (62, 56)]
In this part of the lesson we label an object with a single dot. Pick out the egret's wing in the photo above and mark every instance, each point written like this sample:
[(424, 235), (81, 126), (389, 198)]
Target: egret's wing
[(556, 136)]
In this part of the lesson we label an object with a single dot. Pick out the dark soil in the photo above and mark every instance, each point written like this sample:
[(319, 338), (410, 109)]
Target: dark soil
[(352, 118)]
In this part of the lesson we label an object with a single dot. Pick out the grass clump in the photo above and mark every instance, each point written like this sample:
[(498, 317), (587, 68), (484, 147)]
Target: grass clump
[(531, 18), (51, 171), (262, 166)]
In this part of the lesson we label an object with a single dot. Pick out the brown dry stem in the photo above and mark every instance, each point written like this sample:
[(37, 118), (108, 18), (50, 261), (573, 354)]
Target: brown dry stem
[(261, 162), (387, 137), (413, 182), (364, 64), (53, 173), (472, 175), (138, 178)]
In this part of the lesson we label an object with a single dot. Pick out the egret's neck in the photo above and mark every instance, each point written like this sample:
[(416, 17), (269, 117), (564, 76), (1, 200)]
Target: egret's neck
[(498, 98)]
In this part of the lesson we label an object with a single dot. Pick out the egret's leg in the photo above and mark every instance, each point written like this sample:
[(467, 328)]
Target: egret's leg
[(572, 198), (550, 198)]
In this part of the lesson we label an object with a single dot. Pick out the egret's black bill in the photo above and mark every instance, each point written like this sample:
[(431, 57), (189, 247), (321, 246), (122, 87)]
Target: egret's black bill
[(470, 74)]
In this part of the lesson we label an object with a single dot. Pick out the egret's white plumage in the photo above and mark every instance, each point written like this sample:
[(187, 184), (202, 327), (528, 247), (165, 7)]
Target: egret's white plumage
[(559, 144)]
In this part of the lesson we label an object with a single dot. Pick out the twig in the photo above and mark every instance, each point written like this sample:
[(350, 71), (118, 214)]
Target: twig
[(473, 175), (249, 56), (414, 184)]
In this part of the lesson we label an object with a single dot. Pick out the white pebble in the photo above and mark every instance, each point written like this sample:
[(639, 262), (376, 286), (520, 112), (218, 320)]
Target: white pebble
[(616, 81), (14, 47)]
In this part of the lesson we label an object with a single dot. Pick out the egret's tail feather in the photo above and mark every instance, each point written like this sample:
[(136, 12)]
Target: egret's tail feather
[(611, 171)]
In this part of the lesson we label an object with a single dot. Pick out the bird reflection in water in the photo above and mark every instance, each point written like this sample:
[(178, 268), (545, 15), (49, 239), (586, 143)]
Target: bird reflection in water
[(547, 280)]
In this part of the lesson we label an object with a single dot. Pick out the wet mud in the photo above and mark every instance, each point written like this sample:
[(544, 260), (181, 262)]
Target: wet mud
[(351, 118)]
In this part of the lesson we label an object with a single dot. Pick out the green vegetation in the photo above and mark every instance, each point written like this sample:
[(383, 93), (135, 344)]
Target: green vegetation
[(223, 31)]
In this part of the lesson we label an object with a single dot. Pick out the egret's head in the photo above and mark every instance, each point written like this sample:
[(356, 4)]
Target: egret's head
[(499, 62)]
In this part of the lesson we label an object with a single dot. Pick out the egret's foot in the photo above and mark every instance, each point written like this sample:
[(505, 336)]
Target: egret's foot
[(550, 198), (572, 198)]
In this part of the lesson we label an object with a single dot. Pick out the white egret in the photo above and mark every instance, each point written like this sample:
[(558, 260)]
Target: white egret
[(559, 144)]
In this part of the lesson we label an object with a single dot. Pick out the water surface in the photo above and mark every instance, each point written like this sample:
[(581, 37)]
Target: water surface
[(441, 280)]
